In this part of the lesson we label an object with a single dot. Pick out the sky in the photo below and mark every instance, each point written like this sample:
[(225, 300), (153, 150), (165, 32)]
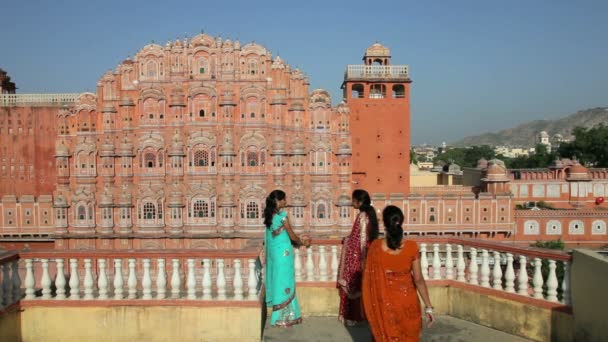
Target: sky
[(476, 66)]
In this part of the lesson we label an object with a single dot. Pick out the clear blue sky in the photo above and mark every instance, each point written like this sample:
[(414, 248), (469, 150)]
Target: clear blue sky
[(476, 65)]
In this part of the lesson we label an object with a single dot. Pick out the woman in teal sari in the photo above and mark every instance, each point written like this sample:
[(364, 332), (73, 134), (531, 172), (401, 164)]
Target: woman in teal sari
[(280, 275)]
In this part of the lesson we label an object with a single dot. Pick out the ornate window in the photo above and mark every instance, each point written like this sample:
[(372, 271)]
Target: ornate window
[(253, 211), (151, 70), (554, 227), (252, 67), (201, 158), (531, 227), (252, 158), (201, 208), (82, 213), (149, 159), (202, 66), (576, 227), (149, 211), (321, 211), (598, 227)]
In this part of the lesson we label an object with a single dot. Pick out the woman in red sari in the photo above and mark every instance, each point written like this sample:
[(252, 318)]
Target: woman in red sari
[(391, 280), (354, 249)]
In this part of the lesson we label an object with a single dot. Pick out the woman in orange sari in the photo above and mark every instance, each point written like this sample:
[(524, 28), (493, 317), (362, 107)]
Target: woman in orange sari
[(391, 278), (354, 249)]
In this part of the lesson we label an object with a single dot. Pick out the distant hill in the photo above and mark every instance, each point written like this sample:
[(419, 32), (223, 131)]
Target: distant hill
[(524, 134)]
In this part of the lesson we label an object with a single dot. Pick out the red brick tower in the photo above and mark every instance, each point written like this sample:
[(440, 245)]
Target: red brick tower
[(377, 94)]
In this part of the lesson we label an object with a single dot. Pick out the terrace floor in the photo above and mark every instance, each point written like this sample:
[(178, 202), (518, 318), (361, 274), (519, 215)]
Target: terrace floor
[(445, 329)]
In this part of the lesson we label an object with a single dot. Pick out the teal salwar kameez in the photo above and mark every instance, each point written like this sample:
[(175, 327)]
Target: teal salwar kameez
[(280, 275)]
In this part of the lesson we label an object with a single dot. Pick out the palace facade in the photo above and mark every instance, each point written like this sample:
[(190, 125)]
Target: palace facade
[(180, 145)]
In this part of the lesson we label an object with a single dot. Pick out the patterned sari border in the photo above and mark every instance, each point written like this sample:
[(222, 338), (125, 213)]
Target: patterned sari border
[(285, 303), (278, 231), (285, 324)]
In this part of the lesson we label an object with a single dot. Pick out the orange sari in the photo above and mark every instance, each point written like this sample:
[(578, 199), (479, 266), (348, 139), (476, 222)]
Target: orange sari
[(390, 298)]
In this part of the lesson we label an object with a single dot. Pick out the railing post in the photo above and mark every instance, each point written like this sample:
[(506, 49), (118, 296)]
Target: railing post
[(221, 280), (191, 280), (497, 272), (175, 279), (436, 262), (74, 280), (449, 262), (251, 281), (7, 285), (510, 275), (334, 262), (237, 281), (88, 280), (460, 265), (146, 280), (132, 280), (485, 268), (118, 280), (552, 282), (424, 262), (60, 280), (16, 281), (310, 266), (322, 264), (297, 264), (473, 267), (161, 279), (522, 277), (30, 291), (537, 279), (206, 278), (102, 279)]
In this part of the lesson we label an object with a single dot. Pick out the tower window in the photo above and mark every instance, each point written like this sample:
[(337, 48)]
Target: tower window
[(358, 91), (398, 91)]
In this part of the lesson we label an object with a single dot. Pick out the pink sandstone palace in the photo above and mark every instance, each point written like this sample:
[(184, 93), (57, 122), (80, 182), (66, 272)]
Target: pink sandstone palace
[(180, 145)]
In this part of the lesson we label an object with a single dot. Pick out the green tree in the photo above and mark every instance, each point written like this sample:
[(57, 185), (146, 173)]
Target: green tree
[(413, 157), (590, 146), (467, 156), (559, 269)]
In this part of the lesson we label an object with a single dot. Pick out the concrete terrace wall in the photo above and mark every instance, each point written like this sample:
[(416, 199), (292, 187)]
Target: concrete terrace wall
[(589, 299)]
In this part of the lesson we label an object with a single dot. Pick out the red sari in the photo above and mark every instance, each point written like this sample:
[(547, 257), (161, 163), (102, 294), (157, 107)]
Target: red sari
[(390, 297), (350, 272)]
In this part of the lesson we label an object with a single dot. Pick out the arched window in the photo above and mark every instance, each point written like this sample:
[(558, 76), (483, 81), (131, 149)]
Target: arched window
[(554, 227), (321, 211), (149, 211), (377, 91), (252, 158), (202, 66), (151, 69), (82, 212), (358, 91), (252, 210), (201, 158), (398, 91), (201, 208), (149, 159), (252, 67)]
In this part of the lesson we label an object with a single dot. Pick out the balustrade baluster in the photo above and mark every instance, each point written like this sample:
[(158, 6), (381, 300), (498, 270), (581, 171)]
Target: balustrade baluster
[(297, 264), (221, 280), (30, 291), (460, 265), (424, 262), (45, 282), (552, 282), (449, 262), (132, 280), (88, 280), (334, 262), (473, 267), (118, 279), (310, 266), (176, 281), (74, 280), (566, 284), (16, 281), (146, 280), (436, 262), (191, 280), (59, 280), (497, 272), (237, 281), (510, 275), (207, 279), (537, 279), (485, 268), (7, 285), (322, 264), (522, 277), (251, 281), (102, 280), (161, 279)]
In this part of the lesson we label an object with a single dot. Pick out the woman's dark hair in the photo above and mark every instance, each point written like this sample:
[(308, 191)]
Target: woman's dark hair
[(393, 219), (366, 205), (271, 206)]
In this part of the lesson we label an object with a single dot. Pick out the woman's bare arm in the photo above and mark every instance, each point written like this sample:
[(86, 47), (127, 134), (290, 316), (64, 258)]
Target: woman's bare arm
[(424, 292), (292, 235)]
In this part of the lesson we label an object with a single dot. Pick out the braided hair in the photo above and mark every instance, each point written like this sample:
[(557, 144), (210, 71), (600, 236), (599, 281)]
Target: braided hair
[(271, 206), (393, 221), (366, 206)]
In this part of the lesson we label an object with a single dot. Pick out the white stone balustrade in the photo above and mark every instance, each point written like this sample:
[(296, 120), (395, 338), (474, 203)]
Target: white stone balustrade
[(136, 278)]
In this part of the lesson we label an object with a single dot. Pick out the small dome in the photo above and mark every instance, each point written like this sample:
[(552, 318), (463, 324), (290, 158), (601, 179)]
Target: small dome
[(62, 150), (344, 200), (107, 148), (482, 163), (177, 146), (377, 50), (496, 172), (278, 99), (126, 102), (278, 145), (296, 106), (227, 148), (344, 148), (177, 98), (577, 172), (108, 107), (126, 147)]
